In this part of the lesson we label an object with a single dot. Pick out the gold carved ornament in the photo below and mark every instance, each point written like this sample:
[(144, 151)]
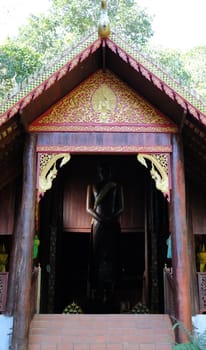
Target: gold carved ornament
[(48, 169), (104, 102), (201, 255), (3, 258), (159, 171), (104, 23)]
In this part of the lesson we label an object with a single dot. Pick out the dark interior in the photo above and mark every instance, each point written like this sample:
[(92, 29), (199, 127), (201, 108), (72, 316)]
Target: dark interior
[(74, 273), (64, 254)]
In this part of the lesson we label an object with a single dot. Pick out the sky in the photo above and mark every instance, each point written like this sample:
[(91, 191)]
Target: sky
[(177, 24), (13, 13)]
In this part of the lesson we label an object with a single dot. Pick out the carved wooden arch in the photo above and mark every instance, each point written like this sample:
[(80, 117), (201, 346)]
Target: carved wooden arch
[(47, 170), (159, 170)]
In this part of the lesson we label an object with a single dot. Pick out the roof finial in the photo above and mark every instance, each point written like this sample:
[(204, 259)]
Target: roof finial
[(104, 23)]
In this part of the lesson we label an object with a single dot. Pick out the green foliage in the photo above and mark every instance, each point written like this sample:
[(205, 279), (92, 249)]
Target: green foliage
[(133, 22), (68, 20), (195, 341), (185, 346), (17, 62), (174, 63), (79, 16), (195, 62), (45, 36), (39, 33), (188, 68)]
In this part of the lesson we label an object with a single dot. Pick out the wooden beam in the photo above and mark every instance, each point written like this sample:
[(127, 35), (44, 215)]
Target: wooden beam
[(180, 254), (103, 55), (182, 121), (25, 248)]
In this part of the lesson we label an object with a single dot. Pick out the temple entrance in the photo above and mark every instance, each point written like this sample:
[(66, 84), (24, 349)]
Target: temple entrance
[(66, 239)]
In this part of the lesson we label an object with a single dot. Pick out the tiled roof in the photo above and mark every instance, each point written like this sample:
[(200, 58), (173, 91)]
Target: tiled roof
[(75, 55)]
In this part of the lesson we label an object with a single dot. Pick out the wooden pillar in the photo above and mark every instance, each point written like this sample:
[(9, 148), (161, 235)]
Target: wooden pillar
[(25, 248), (12, 261), (12, 285), (180, 255)]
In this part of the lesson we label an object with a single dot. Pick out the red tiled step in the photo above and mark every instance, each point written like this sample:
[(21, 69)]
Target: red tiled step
[(101, 332)]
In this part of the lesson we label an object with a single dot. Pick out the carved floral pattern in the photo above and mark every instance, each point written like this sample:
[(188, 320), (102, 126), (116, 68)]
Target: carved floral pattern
[(202, 291), (48, 170), (159, 170), (103, 149), (102, 101), (3, 290)]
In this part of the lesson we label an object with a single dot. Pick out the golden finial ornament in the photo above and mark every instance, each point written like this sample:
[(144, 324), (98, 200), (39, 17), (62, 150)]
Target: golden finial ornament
[(202, 258), (3, 258), (104, 23)]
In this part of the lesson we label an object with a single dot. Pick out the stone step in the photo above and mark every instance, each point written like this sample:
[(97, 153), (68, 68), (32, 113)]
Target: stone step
[(101, 332)]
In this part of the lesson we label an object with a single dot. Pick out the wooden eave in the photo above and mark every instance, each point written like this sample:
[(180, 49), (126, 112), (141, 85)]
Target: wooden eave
[(107, 54)]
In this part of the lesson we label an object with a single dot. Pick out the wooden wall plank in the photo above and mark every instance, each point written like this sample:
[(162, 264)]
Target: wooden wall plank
[(129, 174), (84, 141), (198, 210), (7, 209)]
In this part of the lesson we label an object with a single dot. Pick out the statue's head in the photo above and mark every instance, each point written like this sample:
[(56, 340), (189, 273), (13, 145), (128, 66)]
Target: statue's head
[(104, 170)]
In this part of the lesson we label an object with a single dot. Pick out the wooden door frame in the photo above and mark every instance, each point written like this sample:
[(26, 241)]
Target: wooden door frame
[(108, 143)]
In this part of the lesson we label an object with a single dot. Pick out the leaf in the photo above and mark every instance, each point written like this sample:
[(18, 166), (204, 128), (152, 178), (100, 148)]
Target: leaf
[(185, 346)]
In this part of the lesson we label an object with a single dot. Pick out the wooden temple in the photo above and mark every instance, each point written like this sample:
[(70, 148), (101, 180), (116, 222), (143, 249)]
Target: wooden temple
[(102, 100)]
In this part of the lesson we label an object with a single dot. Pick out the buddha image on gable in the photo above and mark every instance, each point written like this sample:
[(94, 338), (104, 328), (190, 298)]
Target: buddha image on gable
[(104, 101)]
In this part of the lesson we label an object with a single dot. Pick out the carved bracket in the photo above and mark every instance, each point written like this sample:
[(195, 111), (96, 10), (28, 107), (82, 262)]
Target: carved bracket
[(159, 170), (48, 169), (3, 290), (202, 291)]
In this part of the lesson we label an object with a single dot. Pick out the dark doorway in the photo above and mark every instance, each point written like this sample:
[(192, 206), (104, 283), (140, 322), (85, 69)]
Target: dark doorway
[(74, 274), (69, 282)]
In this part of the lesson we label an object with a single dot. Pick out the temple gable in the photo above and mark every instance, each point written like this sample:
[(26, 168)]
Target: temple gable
[(103, 103)]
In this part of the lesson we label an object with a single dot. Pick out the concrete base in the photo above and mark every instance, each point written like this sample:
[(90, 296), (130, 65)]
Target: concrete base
[(6, 324), (199, 323)]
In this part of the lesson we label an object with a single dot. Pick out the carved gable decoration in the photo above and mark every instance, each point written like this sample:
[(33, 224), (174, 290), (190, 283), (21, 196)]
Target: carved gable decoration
[(103, 103)]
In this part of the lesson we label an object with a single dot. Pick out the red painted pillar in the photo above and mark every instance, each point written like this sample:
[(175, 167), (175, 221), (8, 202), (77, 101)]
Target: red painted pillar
[(180, 254), (24, 254)]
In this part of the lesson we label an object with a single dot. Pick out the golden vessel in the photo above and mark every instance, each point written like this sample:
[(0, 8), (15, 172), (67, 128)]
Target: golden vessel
[(3, 258), (202, 258)]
